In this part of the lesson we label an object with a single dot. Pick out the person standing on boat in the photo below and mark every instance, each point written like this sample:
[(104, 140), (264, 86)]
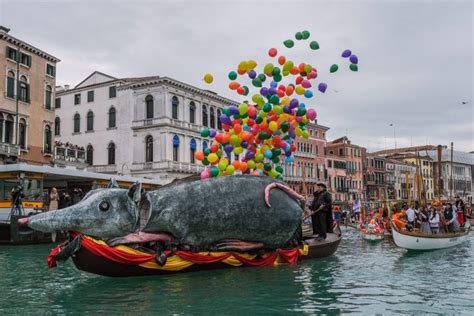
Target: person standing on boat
[(322, 211), (451, 218), (53, 199), (410, 212), (424, 219), (434, 221)]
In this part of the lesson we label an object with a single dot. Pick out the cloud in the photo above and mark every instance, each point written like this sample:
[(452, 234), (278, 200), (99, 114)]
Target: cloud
[(415, 57)]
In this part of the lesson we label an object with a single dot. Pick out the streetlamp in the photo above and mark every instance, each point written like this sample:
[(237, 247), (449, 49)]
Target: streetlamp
[(394, 135)]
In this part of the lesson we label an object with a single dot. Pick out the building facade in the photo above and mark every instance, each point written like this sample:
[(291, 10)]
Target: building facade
[(27, 80), (345, 163), (145, 127), (400, 180), (309, 166), (375, 178)]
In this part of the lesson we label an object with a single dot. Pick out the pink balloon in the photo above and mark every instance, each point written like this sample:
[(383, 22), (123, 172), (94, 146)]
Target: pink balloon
[(311, 114), (205, 174), (306, 84), (299, 119)]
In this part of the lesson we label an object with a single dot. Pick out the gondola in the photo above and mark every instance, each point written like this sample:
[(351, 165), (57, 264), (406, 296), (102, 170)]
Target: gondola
[(419, 241), (94, 256)]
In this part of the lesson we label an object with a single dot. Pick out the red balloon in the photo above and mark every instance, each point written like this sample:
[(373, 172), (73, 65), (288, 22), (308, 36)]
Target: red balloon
[(240, 90), (294, 70), (214, 148), (219, 138), (281, 87), (299, 79), (250, 122), (252, 111), (272, 52), (293, 148), (281, 93), (282, 60), (237, 128)]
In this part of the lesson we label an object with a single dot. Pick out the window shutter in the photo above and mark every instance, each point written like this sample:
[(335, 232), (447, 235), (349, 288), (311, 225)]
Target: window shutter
[(27, 93), (11, 87)]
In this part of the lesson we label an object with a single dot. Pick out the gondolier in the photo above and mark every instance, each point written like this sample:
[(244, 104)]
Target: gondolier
[(321, 211)]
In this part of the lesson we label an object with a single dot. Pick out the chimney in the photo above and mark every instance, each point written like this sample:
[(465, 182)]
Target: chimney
[(4, 29)]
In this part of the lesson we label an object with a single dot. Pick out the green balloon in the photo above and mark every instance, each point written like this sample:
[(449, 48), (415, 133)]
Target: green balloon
[(205, 132), (334, 68), (226, 111), (263, 135), (214, 172), (289, 43), (301, 112), (285, 127), (207, 151), (306, 35), (354, 67), (274, 99), (205, 162), (277, 78), (267, 167), (257, 83), (262, 77), (232, 75), (267, 107), (279, 169), (276, 159), (299, 36), (259, 119), (276, 151), (246, 89), (276, 71), (314, 45)]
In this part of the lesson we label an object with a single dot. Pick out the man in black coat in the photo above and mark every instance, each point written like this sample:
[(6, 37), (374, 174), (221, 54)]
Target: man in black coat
[(322, 211)]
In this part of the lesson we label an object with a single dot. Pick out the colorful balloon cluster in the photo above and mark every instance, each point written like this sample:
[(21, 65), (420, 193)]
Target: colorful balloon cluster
[(262, 131)]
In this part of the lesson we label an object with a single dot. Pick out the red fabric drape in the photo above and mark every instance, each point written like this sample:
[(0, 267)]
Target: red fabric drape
[(52, 256), (258, 262), (200, 259)]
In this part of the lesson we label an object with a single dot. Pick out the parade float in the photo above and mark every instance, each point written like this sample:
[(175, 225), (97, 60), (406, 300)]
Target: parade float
[(239, 212), (372, 231)]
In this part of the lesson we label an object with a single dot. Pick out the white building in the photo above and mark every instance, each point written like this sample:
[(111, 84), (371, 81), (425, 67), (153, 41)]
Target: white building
[(400, 180), (145, 127)]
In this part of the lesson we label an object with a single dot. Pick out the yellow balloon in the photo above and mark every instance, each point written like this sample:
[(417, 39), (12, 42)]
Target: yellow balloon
[(285, 101), (212, 158), (305, 134), (242, 65), (299, 90), (238, 150), (260, 166), (250, 164), (273, 126), (298, 132), (251, 64), (208, 78), (277, 109)]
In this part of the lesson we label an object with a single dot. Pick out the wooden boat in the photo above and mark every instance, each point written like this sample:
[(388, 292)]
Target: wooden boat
[(420, 241), (96, 257), (372, 236)]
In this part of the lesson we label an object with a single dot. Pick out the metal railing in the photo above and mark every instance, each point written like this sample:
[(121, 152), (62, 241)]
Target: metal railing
[(169, 165), (9, 149), (65, 154)]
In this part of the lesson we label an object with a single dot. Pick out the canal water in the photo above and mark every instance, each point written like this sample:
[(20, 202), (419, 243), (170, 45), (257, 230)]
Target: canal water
[(361, 278)]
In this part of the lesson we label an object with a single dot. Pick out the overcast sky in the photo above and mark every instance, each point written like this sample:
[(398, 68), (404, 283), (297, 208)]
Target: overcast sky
[(415, 57)]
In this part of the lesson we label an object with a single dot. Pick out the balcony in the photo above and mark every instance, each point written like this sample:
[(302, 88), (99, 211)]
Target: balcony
[(9, 150), (70, 156), (112, 169), (165, 121), (176, 166)]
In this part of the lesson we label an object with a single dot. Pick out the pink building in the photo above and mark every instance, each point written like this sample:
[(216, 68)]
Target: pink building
[(309, 166)]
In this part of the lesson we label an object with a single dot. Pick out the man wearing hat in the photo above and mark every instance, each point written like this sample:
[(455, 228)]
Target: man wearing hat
[(322, 211)]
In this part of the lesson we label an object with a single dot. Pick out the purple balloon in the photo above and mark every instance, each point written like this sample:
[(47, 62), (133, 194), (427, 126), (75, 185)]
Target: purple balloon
[(252, 74), (346, 53), (273, 84), (264, 91), (212, 133), (249, 155), (225, 119), (294, 103), (354, 59), (287, 109), (244, 144), (228, 148), (322, 87), (272, 91), (234, 110)]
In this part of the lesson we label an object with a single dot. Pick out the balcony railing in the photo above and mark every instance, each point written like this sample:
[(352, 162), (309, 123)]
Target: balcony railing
[(9, 149), (103, 169), (177, 166), (153, 122), (69, 155)]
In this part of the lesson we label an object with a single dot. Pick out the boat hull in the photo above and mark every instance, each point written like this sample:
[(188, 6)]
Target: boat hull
[(372, 237), (429, 242), (87, 261)]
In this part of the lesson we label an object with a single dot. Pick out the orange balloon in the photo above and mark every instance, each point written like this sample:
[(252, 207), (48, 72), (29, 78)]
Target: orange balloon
[(246, 136), (281, 60), (263, 125), (236, 164), (225, 138), (234, 85), (243, 166), (241, 71), (237, 128), (289, 90), (302, 66), (294, 71), (199, 155)]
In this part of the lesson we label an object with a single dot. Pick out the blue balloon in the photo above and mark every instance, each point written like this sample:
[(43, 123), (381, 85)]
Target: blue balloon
[(294, 103), (212, 133), (346, 53), (308, 94), (249, 155), (246, 128), (273, 84), (289, 159), (302, 105), (268, 154)]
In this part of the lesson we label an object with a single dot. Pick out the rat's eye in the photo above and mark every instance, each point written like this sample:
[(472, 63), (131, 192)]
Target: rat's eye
[(104, 206)]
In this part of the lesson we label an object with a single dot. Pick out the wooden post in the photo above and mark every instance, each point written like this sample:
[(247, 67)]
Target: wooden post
[(438, 182)]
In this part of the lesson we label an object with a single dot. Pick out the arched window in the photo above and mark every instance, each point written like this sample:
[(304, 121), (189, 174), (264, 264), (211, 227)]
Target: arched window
[(22, 134), (175, 148), (219, 124), (90, 121), (149, 148), (111, 153), (90, 155), (192, 159), (204, 145), (192, 112), (24, 93), (213, 118), (9, 129), (149, 106), (2, 123), (112, 114), (57, 126), (77, 123), (11, 84), (47, 139), (47, 97), (174, 107), (204, 115)]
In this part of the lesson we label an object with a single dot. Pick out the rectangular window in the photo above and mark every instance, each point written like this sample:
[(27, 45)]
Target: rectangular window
[(175, 153), (90, 96), (77, 99), (57, 103), (10, 87), (50, 70), (25, 59), (11, 53), (112, 92)]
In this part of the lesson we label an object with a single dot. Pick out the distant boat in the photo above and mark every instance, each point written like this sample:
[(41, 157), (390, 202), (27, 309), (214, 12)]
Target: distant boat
[(372, 234), (420, 241)]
